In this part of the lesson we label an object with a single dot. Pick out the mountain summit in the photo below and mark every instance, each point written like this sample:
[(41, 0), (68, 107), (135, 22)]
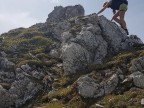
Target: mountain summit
[(70, 61)]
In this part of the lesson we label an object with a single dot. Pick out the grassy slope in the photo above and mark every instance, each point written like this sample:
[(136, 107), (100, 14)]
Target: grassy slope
[(31, 50), (66, 96)]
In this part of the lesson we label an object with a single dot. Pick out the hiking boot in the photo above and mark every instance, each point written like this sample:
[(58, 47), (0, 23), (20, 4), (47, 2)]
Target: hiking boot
[(126, 31)]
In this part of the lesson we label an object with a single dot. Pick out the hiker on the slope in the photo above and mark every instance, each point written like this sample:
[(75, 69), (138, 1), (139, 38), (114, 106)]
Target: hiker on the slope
[(121, 7)]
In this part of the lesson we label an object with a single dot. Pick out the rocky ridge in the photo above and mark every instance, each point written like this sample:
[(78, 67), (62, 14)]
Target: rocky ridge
[(67, 56)]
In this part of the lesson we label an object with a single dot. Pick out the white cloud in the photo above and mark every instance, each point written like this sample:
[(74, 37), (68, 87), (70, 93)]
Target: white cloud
[(14, 20), (54, 1)]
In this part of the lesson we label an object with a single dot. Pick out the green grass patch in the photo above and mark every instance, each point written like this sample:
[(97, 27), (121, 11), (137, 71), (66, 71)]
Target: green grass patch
[(37, 63), (56, 104), (75, 102), (60, 93), (130, 99)]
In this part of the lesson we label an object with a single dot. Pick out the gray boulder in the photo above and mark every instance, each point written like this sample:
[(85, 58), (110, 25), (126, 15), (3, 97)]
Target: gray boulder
[(137, 64), (74, 57), (89, 87), (92, 88), (110, 84), (138, 79)]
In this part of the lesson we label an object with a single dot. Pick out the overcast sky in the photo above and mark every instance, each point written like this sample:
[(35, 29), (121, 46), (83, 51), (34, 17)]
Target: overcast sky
[(24, 13)]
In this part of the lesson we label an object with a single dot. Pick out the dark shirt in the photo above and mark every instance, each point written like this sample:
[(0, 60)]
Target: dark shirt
[(115, 4)]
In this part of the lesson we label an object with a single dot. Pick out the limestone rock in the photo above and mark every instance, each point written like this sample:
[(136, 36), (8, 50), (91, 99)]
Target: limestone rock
[(55, 53), (74, 57), (6, 99), (26, 68), (62, 13), (89, 38), (138, 79), (111, 84), (3, 54), (78, 41), (142, 101), (137, 64), (92, 88), (59, 28), (92, 37), (6, 64), (98, 106), (88, 87)]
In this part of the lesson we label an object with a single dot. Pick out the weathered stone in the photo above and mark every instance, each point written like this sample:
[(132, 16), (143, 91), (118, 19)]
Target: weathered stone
[(112, 33), (88, 87), (59, 28), (111, 84), (137, 64), (54, 53), (75, 57), (6, 99), (37, 74), (97, 39), (79, 41), (142, 102), (3, 54), (24, 89), (26, 68), (98, 106), (6, 64), (138, 79), (62, 13)]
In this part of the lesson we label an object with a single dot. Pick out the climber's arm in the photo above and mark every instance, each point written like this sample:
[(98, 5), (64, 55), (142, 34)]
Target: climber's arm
[(106, 6)]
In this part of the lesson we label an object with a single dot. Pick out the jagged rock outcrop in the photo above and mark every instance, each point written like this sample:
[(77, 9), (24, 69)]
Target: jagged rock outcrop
[(78, 41), (63, 13), (21, 88), (91, 40), (18, 85)]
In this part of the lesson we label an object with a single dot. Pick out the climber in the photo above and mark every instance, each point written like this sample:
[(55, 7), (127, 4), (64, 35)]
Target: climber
[(121, 7)]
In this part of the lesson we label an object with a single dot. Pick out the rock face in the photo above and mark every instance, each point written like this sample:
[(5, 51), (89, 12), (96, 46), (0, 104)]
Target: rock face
[(20, 89), (90, 40), (62, 13), (79, 41), (18, 85), (85, 39)]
